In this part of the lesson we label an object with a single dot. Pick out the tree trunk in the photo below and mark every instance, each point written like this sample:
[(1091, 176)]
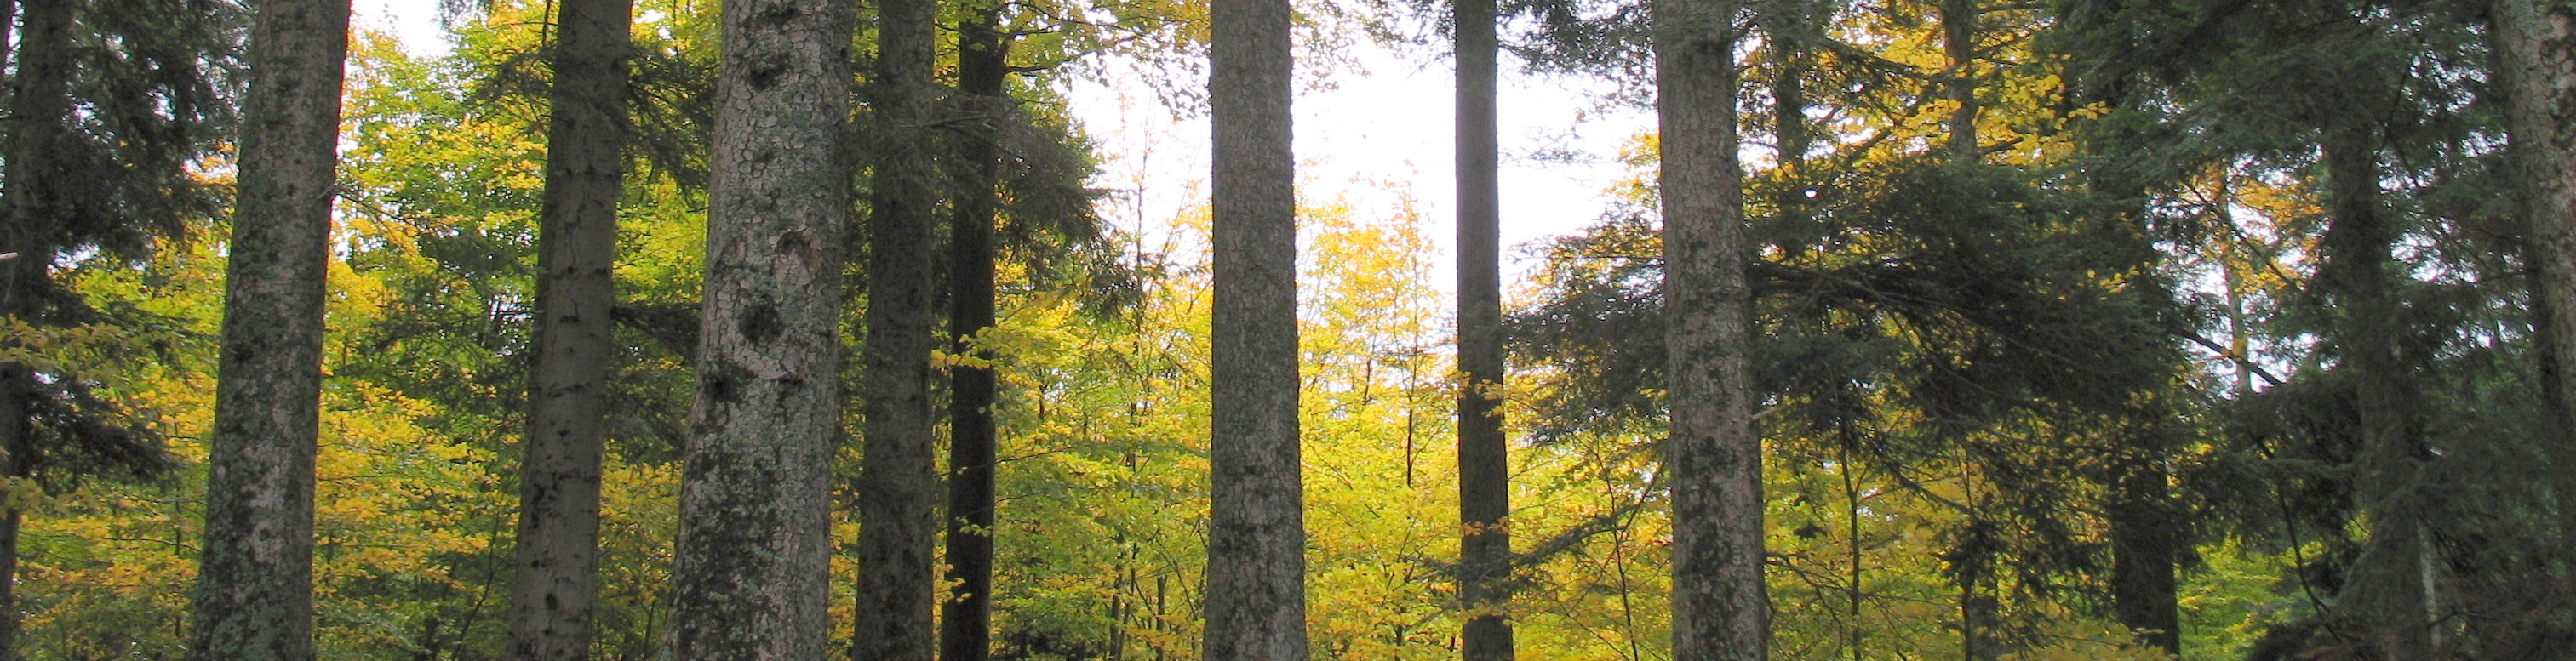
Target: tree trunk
[(254, 599), (1720, 611), (897, 491), (2539, 69), (557, 556), (40, 105), (2143, 548), (966, 619), (1256, 597), (2359, 278), (1959, 47), (752, 566), (1484, 462)]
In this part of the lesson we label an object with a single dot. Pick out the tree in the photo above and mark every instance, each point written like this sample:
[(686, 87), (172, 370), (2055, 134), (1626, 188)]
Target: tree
[(551, 595), (966, 619), (897, 491), (254, 598), (752, 566), (1484, 465), (1714, 456), (1256, 597), (2538, 70)]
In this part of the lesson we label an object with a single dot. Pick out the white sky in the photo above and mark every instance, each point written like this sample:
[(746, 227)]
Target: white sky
[(1384, 128)]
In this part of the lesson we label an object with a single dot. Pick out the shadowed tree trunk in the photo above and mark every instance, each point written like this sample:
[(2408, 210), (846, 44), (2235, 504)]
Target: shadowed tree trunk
[(1720, 611), (254, 599), (966, 619), (39, 104), (1484, 462), (752, 566), (1256, 596), (2534, 38), (1959, 47), (897, 490), (557, 556)]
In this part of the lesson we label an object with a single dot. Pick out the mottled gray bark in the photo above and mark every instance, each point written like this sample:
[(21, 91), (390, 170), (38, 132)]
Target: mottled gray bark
[(898, 493), (1720, 610), (1484, 463), (752, 567), (966, 618), (1256, 594), (557, 556), (2538, 43), (254, 599)]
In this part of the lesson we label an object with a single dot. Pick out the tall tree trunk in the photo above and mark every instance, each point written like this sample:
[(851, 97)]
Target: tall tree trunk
[(1484, 462), (2360, 278), (40, 106), (1959, 48), (1720, 610), (2539, 69), (966, 619), (254, 599), (1256, 595), (897, 491), (2143, 549), (752, 566), (557, 556)]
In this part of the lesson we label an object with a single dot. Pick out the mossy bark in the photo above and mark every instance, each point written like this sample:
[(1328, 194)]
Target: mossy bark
[(254, 599), (752, 569)]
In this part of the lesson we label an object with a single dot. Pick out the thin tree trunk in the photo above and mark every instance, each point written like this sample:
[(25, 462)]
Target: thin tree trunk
[(1959, 47), (1256, 596), (1720, 610), (254, 599), (2358, 275), (897, 490), (557, 556), (966, 618), (1484, 462), (39, 105), (752, 566), (2540, 71)]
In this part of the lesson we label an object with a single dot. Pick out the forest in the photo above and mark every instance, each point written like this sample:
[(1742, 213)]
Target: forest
[(803, 329)]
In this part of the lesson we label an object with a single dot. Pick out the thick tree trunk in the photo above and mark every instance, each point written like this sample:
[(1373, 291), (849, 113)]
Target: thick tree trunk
[(752, 567), (1256, 596), (1720, 610), (1484, 462), (2538, 43), (2143, 549), (897, 490), (558, 542), (254, 599), (966, 619), (39, 105), (2360, 279)]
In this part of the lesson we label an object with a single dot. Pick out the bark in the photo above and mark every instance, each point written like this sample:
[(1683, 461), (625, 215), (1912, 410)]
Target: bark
[(897, 491), (254, 599), (966, 619), (1484, 463), (1256, 598), (2143, 550), (752, 568), (1959, 46), (40, 101), (2360, 279), (2538, 43), (552, 593), (1720, 611)]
